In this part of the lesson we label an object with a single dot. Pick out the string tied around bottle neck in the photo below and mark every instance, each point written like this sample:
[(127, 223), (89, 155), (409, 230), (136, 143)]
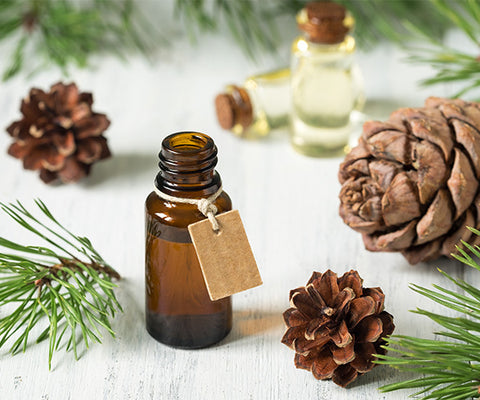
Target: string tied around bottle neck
[(204, 205)]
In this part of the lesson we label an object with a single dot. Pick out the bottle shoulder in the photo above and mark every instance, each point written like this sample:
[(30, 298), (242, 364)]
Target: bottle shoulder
[(303, 47), (180, 215), (276, 77)]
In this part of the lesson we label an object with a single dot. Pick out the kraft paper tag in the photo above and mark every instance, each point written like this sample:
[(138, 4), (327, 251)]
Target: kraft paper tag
[(226, 259)]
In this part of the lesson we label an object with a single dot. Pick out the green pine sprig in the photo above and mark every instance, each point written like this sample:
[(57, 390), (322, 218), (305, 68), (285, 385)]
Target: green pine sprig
[(254, 24), (450, 65), (67, 283), (250, 22), (65, 33), (383, 20), (69, 32), (450, 365)]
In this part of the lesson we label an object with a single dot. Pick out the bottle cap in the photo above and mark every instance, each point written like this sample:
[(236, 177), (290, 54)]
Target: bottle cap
[(234, 107), (325, 22)]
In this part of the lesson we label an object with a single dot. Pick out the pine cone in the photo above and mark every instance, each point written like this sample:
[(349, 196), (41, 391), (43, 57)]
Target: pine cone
[(411, 184), (59, 133), (336, 326)]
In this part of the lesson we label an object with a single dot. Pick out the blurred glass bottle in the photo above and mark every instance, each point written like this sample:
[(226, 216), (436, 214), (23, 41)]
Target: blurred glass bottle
[(326, 83), (260, 105)]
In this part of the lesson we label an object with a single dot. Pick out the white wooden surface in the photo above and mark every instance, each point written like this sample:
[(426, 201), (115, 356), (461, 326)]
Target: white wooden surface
[(289, 207)]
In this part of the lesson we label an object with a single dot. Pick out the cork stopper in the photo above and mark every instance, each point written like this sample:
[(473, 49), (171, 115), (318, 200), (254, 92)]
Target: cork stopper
[(325, 22), (234, 107), (225, 108)]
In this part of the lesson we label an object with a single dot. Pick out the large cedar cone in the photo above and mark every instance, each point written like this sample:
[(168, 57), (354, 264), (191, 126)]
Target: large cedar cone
[(336, 326), (59, 133), (411, 184)]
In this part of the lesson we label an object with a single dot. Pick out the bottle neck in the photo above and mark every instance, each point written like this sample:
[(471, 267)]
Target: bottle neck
[(303, 46), (325, 22), (187, 165)]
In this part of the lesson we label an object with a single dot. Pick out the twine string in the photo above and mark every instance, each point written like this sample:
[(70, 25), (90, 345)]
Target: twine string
[(205, 205)]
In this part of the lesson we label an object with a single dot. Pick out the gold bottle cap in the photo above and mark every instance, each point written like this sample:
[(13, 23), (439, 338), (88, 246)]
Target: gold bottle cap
[(325, 22), (234, 107)]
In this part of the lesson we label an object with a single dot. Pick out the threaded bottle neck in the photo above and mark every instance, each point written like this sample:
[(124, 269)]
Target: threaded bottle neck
[(187, 165)]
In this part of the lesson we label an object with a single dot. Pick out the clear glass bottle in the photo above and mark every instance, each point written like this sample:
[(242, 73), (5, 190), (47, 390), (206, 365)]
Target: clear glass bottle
[(260, 105), (179, 311), (326, 83)]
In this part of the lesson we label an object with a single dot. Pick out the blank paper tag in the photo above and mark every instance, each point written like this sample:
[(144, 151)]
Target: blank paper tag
[(225, 257)]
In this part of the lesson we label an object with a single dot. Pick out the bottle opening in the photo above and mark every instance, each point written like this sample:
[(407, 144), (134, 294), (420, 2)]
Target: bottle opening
[(187, 142), (187, 162)]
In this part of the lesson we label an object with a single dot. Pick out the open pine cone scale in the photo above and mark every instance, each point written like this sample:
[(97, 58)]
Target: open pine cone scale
[(411, 184), (59, 133), (336, 326)]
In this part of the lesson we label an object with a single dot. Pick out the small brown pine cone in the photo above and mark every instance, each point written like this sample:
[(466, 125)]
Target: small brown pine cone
[(59, 134), (412, 183), (335, 326)]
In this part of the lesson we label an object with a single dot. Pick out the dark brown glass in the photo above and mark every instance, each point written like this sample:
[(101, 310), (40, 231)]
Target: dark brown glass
[(179, 311)]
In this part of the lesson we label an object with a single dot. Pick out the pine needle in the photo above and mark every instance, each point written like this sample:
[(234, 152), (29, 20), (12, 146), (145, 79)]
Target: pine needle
[(67, 283), (69, 32), (383, 20), (450, 64), (250, 23), (449, 365), (65, 33)]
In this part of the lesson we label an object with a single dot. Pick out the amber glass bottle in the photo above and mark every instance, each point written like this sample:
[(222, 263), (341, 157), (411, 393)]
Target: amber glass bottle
[(179, 311)]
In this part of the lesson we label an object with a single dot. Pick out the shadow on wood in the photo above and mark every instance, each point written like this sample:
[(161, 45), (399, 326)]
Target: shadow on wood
[(381, 108), (251, 323), (123, 169)]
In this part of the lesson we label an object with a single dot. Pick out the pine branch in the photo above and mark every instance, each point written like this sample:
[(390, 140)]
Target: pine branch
[(450, 368), (249, 22), (380, 20), (67, 283), (451, 65), (254, 25), (66, 33)]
